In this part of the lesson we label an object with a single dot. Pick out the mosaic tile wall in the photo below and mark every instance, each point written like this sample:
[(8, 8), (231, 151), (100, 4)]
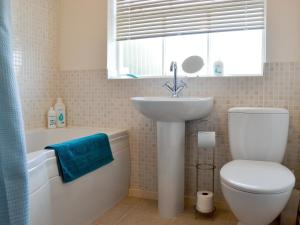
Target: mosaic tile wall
[(35, 29), (92, 100)]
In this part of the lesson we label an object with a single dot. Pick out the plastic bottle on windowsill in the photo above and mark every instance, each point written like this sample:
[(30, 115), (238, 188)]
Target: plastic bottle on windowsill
[(60, 110), (218, 68)]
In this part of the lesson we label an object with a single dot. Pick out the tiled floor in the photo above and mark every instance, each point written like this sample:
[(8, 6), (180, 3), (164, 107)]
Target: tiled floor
[(134, 211)]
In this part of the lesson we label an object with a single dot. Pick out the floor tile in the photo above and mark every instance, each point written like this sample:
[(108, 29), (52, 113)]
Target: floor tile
[(134, 211), (114, 215)]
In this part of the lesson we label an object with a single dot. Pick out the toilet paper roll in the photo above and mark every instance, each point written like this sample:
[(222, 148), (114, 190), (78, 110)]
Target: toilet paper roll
[(205, 201), (206, 139)]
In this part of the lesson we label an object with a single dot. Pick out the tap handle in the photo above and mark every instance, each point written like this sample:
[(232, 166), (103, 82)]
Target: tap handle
[(168, 86), (182, 83)]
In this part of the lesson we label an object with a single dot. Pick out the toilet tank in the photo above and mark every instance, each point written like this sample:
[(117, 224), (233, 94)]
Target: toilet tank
[(258, 133)]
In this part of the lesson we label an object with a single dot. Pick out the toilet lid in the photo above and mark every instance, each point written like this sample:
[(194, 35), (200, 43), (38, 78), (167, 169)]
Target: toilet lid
[(259, 177)]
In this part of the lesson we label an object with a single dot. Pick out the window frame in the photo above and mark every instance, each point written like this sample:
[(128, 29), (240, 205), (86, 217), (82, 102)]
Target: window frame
[(112, 50)]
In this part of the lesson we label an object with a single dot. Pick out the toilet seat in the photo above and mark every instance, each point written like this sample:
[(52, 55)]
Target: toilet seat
[(258, 177)]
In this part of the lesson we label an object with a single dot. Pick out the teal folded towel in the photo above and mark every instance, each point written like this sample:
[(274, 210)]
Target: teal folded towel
[(78, 157)]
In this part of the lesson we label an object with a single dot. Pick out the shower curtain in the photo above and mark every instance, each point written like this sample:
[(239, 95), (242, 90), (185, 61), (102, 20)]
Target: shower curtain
[(13, 175)]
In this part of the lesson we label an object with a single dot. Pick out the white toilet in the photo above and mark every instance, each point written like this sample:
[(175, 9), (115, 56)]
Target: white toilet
[(255, 185)]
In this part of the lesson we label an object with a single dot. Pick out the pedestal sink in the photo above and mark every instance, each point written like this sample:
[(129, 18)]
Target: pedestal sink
[(171, 114)]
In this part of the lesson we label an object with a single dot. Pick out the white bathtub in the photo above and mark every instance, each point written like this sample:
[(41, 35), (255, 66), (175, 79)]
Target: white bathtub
[(83, 200)]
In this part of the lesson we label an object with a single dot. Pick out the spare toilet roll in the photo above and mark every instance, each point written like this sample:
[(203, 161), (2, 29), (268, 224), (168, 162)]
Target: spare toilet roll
[(205, 201), (206, 139)]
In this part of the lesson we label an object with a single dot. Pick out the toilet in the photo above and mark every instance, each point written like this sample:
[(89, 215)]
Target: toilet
[(255, 184)]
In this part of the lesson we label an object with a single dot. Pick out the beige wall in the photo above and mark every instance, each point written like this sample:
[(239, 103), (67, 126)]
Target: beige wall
[(283, 30), (83, 33)]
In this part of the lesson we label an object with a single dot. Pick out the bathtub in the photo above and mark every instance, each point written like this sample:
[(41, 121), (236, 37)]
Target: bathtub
[(80, 202)]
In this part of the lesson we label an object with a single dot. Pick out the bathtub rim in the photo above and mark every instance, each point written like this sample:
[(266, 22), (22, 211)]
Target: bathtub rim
[(35, 158)]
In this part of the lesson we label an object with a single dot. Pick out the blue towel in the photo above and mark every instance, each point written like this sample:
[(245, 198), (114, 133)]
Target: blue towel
[(13, 171), (78, 157)]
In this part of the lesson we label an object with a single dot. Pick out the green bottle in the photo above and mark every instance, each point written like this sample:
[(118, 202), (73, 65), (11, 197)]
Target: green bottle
[(60, 110)]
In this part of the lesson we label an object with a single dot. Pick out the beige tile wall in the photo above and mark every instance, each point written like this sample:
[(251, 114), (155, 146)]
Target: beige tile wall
[(92, 100), (35, 33)]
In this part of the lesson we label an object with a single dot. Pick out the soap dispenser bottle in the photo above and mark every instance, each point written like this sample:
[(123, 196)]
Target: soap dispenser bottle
[(51, 118), (60, 110), (218, 68)]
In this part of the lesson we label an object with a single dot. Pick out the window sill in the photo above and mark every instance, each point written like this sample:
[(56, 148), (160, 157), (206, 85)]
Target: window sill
[(120, 77)]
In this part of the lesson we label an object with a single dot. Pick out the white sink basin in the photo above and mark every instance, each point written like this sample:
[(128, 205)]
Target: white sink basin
[(173, 109), (171, 114)]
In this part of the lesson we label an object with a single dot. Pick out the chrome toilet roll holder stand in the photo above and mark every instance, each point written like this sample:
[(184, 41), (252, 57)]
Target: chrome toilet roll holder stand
[(205, 167)]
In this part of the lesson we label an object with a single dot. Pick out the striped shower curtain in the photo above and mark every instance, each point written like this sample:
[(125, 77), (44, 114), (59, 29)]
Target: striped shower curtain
[(13, 176)]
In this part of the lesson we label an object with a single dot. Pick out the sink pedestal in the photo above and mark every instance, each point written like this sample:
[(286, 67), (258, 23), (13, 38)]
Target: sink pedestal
[(170, 144), (171, 114)]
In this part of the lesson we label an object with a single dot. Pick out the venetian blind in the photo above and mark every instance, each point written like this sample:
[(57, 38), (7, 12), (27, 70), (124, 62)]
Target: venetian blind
[(138, 19)]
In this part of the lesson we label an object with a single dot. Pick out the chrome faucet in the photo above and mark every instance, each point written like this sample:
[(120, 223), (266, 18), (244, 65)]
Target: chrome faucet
[(176, 87)]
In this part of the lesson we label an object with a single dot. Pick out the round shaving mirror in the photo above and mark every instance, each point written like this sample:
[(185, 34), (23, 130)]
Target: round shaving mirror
[(192, 64)]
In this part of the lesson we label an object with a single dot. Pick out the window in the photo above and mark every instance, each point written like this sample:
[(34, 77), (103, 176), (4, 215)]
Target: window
[(146, 35)]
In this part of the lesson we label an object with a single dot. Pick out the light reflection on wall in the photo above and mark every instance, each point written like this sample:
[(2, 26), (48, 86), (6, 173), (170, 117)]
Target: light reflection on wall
[(17, 60)]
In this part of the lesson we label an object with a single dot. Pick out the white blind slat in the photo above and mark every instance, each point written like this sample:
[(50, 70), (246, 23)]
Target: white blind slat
[(179, 30), (190, 22), (179, 7), (190, 26), (155, 35), (137, 19), (177, 3), (163, 13)]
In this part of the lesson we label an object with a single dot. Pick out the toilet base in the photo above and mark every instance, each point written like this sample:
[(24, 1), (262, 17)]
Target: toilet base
[(254, 209)]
